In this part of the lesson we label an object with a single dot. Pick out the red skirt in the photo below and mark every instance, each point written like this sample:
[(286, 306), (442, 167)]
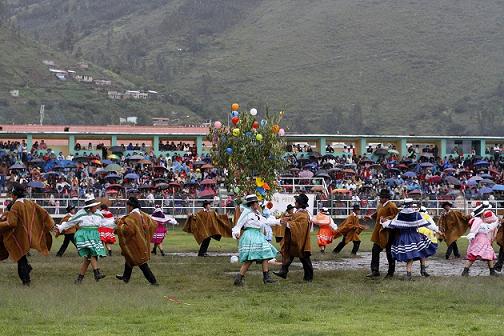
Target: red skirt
[(107, 235), (325, 235)]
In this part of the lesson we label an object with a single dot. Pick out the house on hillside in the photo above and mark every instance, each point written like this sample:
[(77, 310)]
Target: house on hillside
[(84, 78), (71, 73), (48, 62), (129, 94), (61, 76), (102, 82), (14, 93), (115, 95), (83, 65)]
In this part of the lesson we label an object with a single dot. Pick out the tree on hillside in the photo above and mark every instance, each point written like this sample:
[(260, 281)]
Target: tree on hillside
[(69, 38), (3, 12)]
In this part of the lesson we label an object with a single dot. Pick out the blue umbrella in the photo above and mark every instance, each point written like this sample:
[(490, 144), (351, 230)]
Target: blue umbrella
[(486, 176), (391, 182), (476, 178), (410, 174), (113, 176), (36, 184), (481, 163), (132, 176), (472, 183), (426, 165), (17, 165), (486, 190), (65, 164), (487, 181), (498, 187), (107, 162)]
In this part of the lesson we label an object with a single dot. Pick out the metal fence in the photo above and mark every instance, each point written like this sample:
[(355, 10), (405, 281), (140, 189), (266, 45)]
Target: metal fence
[(180, 208)]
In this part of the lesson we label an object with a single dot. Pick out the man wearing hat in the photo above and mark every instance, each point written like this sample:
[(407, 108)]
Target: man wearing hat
[(26, 225), (69, 233), (386, 210), (135, 231), (87, 238), (350, 230), (205, 225), (452, 224), (279, 230), (296, 242)]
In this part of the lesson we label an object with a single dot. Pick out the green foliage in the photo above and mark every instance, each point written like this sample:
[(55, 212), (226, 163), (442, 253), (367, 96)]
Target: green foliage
[(247, 152)]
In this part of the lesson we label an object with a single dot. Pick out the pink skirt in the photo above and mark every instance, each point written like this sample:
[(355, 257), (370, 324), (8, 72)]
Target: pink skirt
[(159, 235), (480, 248), (107, 235)]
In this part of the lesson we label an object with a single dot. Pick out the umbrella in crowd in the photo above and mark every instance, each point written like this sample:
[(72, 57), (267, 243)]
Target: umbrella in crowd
[(498, 187), (132, 176), (17, 166), (36, 185), (113, 168), (486, 190), (453, 180), (410, 174)]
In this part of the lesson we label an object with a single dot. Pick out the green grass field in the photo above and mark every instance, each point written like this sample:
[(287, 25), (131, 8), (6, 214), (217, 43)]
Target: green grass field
[(336, 303)]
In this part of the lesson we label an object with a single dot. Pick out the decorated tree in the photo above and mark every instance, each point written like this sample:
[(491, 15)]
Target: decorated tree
[(252, 151)]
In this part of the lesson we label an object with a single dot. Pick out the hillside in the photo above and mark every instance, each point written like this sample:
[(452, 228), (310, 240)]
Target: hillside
[(22, 68), (359, 66)]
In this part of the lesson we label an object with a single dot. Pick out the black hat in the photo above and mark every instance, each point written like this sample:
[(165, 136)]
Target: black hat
[(206, 202), (290, 207), (478, 211), (302, 200), (18, 190), (70, 208), (356, 207), (385, 193), (133, 202), (447, 203)]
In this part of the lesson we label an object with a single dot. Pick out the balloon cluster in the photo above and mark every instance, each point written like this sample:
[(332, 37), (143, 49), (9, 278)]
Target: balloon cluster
[(249, 147)]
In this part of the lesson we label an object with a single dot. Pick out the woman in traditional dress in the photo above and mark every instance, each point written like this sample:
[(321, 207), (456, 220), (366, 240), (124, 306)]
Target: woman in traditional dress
[(159, 235), (106, 230), (87, 237), (327, 228), (408, 244), (253, 245), (430, 232), (483, 228)]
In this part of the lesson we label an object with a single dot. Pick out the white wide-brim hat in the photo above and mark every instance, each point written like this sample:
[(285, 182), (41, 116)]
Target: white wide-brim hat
[(90, 202)]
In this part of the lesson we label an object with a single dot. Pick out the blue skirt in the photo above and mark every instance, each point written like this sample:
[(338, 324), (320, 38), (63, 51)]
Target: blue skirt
[(254, 247), (411, 245)]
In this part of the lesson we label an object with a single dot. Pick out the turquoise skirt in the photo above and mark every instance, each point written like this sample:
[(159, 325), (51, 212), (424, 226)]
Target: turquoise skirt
[(89, 243), (253, 246)]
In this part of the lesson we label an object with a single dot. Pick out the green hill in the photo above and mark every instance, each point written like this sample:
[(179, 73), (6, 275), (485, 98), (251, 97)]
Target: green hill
[(22, 69), (361, 66)]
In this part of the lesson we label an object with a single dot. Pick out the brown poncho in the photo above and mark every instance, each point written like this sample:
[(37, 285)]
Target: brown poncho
[(135, 232), (452, 225), (27, 226), (499, 236), (296, 242), (380, 235), (206, 224), (350, 228)]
